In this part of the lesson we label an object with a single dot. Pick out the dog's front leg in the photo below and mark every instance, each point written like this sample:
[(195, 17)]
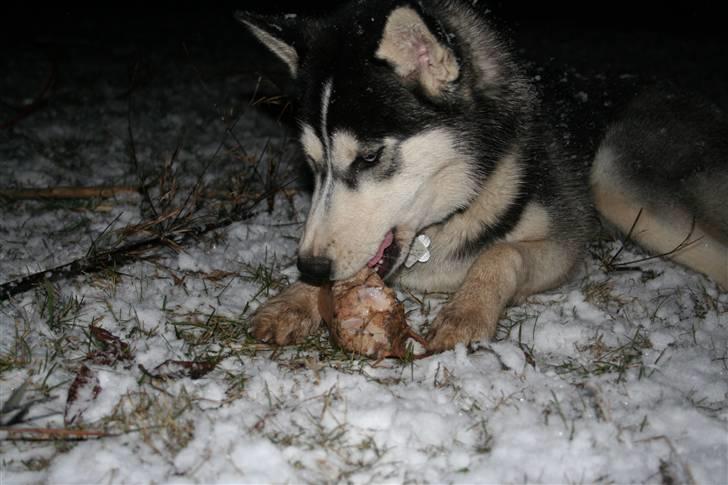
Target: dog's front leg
[(501, 274), (288, 317)]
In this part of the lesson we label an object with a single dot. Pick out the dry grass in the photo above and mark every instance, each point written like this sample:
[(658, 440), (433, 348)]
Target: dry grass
[(158, 416), (174, 212), (163, 412), (596, 358)]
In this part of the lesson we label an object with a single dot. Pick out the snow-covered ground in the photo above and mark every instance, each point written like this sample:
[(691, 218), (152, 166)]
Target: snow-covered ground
[(618, 376)]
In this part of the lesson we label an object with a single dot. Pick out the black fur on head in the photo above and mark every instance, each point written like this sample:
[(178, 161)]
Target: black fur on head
[(373, 100)]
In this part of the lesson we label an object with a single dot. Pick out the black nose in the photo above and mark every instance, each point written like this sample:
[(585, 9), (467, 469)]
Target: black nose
[(316, 269)]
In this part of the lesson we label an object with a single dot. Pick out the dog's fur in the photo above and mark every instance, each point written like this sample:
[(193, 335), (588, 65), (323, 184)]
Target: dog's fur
[(416, 119)]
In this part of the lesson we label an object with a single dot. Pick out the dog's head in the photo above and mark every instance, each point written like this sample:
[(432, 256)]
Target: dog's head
[(388, 99)]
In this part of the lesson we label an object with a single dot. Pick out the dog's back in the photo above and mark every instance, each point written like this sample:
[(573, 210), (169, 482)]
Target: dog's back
[(661, 175)]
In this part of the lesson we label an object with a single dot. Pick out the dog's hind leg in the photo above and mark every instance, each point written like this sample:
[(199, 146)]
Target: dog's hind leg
[(503, 273), (666, 159), (288, 317), (658, 219)]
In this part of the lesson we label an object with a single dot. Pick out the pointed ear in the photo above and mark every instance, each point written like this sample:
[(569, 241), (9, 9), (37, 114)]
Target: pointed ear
[(415, 53), (282, 35)]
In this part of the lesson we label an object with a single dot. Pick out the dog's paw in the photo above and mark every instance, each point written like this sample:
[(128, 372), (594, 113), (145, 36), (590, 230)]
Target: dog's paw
[(280, 323), (460, 323), (289, 317)]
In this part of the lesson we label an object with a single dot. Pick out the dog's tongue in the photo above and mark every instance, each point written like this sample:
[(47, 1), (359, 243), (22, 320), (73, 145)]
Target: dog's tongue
[(380, 252)]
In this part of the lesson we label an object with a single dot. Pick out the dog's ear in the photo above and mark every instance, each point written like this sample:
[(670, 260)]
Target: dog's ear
[(283, 35), (415, 53)]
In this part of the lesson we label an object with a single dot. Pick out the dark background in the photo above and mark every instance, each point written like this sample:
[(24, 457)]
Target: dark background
[(643, 15), (682, 40), (604, 49), (32, 20)]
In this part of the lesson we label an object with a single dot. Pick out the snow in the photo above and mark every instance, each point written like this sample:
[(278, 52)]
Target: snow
[(625, 384)]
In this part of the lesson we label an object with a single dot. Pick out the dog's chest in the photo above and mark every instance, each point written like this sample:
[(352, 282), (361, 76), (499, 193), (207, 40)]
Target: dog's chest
[(441, 271)]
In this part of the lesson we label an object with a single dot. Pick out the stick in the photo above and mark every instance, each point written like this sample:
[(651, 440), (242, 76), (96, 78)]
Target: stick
[(101, 192), (44, 434), (104, 192)]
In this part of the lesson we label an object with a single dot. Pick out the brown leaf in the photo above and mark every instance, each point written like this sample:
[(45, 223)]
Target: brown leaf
[(112, 349), (84, 389), (177, 369)]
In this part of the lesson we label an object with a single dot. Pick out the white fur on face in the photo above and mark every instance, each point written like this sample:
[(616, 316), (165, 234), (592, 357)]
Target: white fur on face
[(344, 149), (348, 225), (325, 101), (311, 144), (436, 175), (312, 243)]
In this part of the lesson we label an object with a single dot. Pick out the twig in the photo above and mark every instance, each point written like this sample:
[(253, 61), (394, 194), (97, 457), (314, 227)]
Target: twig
[(200, 178), (88, 264), (685, 468), (70, 192), (92, 248), (110, 191), (685, 243), (624, 241), (257, 347), (53, 434)]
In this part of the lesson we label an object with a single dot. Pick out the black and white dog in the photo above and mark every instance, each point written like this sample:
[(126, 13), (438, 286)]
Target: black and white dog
[(435, 165)]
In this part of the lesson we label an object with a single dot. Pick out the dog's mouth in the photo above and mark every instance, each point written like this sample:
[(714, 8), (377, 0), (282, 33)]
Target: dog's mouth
[(386, 257)]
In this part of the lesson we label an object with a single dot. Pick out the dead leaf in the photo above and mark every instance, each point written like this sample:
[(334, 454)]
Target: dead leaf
[(113, 349), (83, 391), (177, 369)]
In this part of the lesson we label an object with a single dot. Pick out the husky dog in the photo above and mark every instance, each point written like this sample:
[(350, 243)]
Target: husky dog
[(435, 164)]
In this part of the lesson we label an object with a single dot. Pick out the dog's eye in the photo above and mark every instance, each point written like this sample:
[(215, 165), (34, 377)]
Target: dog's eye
[(372, 157)]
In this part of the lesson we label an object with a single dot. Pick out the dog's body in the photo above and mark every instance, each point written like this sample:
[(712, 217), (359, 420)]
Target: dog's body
[(417, 121)]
